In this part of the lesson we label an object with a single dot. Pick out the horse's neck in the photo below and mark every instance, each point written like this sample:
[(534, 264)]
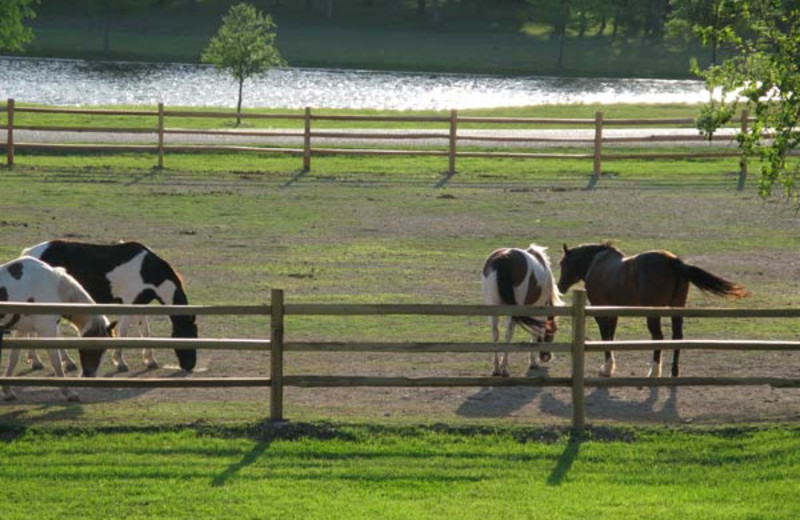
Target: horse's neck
[(71, 291), (589, 255)]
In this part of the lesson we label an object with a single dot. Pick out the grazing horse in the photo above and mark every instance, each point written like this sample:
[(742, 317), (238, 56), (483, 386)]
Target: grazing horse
[(130, 273), (27, 279), (520, 277), (650, 279)]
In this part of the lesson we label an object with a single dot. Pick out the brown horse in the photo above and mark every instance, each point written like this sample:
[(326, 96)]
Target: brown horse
[(651, 279)]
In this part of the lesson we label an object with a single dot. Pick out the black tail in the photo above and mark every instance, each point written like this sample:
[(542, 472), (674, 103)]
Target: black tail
[(712, 283), (505, 287)]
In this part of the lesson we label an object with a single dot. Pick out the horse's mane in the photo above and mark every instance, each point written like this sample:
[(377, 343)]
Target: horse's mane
[(69, 289)]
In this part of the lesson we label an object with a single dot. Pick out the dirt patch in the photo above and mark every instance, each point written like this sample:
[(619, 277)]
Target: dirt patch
[(414, 245)]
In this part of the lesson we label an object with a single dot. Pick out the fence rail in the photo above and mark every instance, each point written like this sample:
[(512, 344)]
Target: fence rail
[(452, 132), (277, 346)]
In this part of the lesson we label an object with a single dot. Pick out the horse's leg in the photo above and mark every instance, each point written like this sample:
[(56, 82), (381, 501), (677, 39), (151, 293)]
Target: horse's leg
[(13, 357), (677, 333), (116, 354), (143, 326), (66, 361), (493, 322), (510, 324), (607, 326), (34, 360), (67, 328), (654, 326), (55, 361)]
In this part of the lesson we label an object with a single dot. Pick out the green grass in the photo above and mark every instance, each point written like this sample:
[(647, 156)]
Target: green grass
[(322, 471), (575, 111)]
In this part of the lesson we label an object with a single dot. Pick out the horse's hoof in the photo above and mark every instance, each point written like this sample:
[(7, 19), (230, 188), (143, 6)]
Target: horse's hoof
[(70, 367), (122, 368), (35, 365), (152, 365)]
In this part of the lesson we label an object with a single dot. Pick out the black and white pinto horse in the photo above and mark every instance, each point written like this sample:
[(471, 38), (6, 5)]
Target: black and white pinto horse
[(27, 279), (129, 273), (520, 277)]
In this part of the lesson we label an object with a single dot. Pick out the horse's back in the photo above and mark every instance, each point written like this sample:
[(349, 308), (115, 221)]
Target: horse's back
[(651, 278), (517, 276)]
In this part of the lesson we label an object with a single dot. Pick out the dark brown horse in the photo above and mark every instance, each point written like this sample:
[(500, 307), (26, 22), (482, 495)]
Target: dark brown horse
[(651, 279)]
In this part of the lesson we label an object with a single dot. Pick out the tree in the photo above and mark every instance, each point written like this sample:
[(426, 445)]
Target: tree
[(14, 34), (244, 46), (712, 22), (764, 73)]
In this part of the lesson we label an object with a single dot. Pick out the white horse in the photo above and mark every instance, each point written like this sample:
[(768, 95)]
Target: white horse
[(27, 279), (520, 277)]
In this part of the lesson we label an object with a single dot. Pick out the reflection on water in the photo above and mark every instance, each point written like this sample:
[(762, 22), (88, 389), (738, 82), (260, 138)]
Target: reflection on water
[(75, 82)]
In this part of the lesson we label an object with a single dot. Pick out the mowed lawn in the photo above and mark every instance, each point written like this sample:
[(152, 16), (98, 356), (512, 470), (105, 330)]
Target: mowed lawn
[(321, 471)]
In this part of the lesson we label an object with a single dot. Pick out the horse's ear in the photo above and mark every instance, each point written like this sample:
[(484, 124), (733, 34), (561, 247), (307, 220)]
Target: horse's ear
[(566, 249), (111, 328)]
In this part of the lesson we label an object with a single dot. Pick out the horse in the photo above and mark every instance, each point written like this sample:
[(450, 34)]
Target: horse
[(650, 279), (130, 273), (27, 279), (514, 276)]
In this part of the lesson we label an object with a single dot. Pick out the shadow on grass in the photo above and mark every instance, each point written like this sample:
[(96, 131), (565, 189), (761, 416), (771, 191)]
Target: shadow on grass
[(248, 459), (565, 462)]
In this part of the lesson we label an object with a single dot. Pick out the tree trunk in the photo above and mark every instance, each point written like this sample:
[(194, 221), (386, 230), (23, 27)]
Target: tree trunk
[(239, 103)]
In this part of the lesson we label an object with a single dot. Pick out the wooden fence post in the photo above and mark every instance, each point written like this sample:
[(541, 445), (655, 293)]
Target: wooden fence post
[(307, 141), (161, 136), (598, 149), (10, 133), (276, 356), (578, 360), (743, 158), (451, 152)]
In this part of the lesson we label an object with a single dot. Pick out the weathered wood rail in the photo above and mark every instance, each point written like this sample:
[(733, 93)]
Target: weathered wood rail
[(577, 347), (452, 132)]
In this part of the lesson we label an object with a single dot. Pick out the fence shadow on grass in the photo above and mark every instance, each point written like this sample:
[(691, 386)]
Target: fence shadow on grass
[(248, 459)]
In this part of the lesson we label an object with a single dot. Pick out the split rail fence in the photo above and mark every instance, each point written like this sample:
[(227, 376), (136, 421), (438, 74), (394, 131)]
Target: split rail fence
[(278, 346), (451, 132)]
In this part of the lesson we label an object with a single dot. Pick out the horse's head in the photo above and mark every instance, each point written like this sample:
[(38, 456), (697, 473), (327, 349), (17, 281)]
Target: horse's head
[(91, 358), (570, 269), (550, 329), (185, 327)]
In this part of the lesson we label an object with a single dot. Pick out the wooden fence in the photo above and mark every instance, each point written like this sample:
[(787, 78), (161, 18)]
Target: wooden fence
[(278, 346), (452, 132)]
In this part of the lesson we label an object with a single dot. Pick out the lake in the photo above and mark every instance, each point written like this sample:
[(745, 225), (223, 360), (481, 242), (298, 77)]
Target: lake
[(86, 83)]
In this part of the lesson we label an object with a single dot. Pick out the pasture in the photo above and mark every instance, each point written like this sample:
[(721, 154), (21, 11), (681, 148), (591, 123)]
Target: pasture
[(342, 235)]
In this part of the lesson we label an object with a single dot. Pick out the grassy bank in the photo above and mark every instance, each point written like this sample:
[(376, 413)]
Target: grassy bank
[(324, 471), (499, 39)]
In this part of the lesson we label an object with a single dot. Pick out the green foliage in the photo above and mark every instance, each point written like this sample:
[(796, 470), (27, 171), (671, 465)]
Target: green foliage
[(14, 34), (244, 46), (764, 72)]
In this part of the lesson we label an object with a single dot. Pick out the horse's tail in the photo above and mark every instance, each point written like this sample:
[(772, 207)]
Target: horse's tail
[(505, 288), (711, 283)]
